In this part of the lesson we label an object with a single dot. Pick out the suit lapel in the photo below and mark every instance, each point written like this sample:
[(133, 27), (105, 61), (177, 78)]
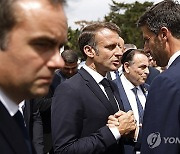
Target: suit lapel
[(117, 95), (12, 132), (144, 87), (94, 87)]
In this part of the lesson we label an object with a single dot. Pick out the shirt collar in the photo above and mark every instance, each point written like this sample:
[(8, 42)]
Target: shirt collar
[(173, 57), (10, 105), (97, 77), (128, 83)]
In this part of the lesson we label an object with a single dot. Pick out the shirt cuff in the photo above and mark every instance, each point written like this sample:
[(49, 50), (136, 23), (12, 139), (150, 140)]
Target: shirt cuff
[(115, 132), (135, 140)]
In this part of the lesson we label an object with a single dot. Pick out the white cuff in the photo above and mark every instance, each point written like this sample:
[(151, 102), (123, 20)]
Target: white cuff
[(115, 132)]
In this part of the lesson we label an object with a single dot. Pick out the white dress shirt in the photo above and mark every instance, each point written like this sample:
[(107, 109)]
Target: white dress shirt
[(10, 105)]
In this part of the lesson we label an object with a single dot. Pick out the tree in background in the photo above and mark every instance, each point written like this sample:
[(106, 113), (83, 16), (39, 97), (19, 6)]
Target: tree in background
[(126, 16), (72, 42)]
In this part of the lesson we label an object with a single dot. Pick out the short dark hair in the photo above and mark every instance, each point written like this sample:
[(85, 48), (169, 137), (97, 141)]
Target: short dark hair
[(129, 55), (8, 19), (69, 56), (162, 14), (87, 35)]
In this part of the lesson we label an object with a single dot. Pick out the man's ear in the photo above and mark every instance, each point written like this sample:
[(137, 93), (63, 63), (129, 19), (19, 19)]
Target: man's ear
[(163, 33), (126, 67), (89, 51)]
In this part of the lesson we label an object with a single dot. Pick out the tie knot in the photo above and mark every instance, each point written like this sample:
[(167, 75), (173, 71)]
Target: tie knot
[(116, 72), (134, 90), (105, 83)]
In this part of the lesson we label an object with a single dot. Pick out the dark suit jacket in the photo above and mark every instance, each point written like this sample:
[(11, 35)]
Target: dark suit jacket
[(80, 111), (34, 125), (44, 106), (58, 78), (153, 72), (129, 145), (162, 113), (11, 137)]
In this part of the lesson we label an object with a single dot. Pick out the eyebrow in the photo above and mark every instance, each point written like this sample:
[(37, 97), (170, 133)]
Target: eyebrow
[(45, 39)]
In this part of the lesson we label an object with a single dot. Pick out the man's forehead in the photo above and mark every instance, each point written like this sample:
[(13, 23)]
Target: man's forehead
[(30, 5), (146, 31)]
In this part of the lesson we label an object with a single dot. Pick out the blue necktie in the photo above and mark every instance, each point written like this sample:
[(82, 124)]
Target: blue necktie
[(139, 105), (117, 80), (108, 90)]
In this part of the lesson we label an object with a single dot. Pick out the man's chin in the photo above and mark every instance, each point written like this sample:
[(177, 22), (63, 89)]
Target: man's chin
[(41, 92), (115, 68)]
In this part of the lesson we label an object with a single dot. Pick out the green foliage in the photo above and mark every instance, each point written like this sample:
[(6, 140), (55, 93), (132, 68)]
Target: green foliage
[(73, 41), (126, 17)]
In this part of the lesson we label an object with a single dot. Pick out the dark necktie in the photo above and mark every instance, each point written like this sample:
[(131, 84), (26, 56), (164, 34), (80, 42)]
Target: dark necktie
[(139, 105), (108, 90), (20, 121)]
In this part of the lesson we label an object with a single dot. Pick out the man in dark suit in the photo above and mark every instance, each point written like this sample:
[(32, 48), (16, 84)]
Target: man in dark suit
[(80, 106), (135, 72), (11, 137), (33, 123), (153, 72), (29, 55), (161, 125), (70, 68)]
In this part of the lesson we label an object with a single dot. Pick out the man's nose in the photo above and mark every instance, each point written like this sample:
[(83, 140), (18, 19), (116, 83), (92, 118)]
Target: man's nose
[(56, 61), (119, 50)]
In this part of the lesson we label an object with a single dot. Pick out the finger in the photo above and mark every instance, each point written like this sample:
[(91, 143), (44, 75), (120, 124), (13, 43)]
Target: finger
[(119, 113), (110, 125), (111, 117), (130, 113), (113, 122)]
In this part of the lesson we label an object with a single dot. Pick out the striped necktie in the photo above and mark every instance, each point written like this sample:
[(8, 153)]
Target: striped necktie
[(139, 105)]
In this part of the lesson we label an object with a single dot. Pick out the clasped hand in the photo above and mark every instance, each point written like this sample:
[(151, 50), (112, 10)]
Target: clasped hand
[(125, 122)]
